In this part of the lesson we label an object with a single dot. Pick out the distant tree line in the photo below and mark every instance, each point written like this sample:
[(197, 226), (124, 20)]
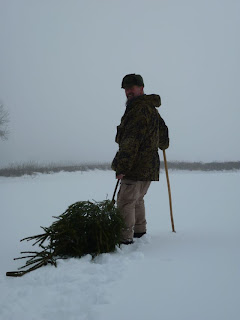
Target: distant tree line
[(204, 166), (33, 168)]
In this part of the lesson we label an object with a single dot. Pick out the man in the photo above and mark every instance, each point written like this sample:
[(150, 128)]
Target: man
[(141, 132)]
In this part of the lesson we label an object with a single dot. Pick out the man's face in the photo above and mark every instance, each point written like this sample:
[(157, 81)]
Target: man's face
[(133, 91)]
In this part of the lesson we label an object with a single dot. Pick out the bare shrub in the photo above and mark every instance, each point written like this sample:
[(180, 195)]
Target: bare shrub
[(4, 119)]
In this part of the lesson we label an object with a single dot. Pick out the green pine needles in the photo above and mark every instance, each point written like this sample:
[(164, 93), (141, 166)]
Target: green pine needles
[(84, 228)]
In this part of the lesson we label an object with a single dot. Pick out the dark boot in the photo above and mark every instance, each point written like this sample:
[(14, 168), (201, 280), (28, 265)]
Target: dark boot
[(127, 242), (138, 234)]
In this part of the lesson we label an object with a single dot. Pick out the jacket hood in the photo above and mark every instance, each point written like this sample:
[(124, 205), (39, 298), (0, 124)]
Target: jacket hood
[(153, 99)]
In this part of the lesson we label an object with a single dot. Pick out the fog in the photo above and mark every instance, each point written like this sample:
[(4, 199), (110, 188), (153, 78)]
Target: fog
[(62, 63)]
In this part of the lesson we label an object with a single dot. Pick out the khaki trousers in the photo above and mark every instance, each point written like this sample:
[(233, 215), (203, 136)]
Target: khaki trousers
[(131, 206)]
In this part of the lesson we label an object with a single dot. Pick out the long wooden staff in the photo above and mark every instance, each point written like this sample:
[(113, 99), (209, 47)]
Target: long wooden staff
[(169, 190)]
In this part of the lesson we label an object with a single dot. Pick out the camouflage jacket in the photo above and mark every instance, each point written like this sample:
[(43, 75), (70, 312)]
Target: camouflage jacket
[(141, 132)]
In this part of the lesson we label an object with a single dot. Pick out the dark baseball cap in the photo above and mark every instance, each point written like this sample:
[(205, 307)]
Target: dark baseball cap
[(132, 80)]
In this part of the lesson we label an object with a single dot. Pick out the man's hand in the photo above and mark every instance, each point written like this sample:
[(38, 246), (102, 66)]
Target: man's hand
[(120, 176)]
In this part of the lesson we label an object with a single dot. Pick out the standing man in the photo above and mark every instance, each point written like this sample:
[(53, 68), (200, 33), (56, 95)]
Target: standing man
[(141, 132)]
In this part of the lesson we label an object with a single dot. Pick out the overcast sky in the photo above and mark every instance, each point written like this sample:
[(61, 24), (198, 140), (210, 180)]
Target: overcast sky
[(62, 63)]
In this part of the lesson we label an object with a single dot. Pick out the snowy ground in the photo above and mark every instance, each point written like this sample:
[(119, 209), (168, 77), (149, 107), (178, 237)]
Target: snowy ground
[(191, 275)]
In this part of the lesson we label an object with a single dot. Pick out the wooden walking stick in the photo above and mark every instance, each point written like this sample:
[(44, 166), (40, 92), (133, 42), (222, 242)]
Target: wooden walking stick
[(169, 190)]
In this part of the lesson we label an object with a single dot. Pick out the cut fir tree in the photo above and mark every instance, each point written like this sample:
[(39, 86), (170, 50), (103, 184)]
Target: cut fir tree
[(84, 228)]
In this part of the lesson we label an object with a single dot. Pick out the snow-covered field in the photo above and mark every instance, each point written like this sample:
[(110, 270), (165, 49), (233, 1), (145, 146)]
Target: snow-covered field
[(191, 275)]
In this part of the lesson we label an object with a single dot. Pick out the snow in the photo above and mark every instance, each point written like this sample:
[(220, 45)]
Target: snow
[(191, 274)]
